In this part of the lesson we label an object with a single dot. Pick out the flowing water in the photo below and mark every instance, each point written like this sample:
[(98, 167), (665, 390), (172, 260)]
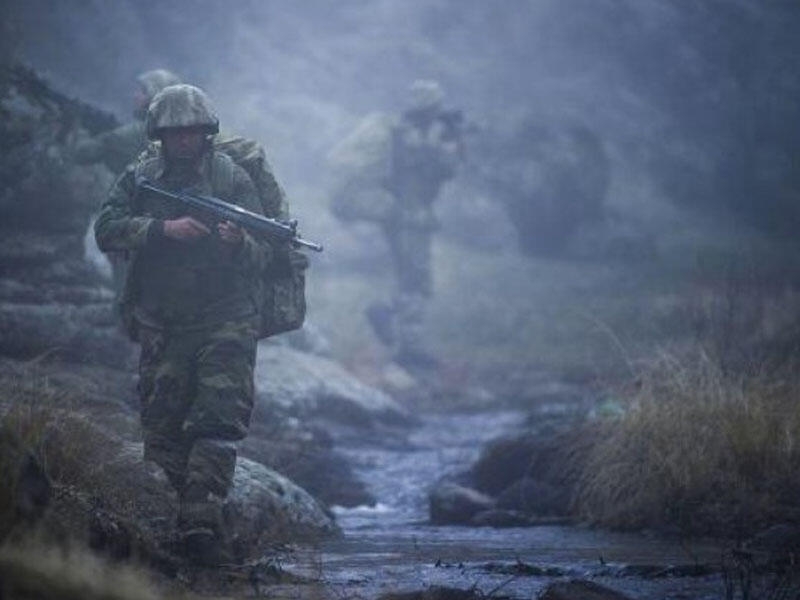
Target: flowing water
[(391, 547)]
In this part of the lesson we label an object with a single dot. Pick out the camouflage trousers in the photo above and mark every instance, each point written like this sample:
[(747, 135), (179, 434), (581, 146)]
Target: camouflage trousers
[(196, 390), (401, 327)]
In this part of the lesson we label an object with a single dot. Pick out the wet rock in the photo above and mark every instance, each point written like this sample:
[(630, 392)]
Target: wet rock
[(579, 589), (521, 569), (534, 497), (437, 593), (535, 472), (500, 518), (316, 389), (656, 571), (454, 504), (264, 507), (504, 461), (307, 456)]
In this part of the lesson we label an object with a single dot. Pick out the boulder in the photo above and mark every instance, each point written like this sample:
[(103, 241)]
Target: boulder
[(454, 504), (579, 589), (500, 518), (504, 461), (307, 456), (262, 509), (534, 497), (316, 389)]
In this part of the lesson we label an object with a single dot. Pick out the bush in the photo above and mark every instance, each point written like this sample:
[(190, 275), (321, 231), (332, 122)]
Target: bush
[(700, 448)]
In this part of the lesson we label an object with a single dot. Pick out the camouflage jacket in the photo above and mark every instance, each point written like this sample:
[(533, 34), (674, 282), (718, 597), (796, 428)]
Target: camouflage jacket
[(173, 284), (115, 149)]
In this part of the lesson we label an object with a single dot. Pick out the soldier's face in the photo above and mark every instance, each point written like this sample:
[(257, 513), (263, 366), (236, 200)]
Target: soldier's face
[(183, 143)]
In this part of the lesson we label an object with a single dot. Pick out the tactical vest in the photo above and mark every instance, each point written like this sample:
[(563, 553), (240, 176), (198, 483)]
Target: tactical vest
[(281, 287)]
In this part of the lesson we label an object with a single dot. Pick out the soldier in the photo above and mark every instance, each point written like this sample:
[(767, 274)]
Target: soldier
[(191, 301), (118, 147), (122, 145), (422, 152)]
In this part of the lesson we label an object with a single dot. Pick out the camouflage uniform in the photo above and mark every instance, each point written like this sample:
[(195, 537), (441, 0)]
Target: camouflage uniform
[(118, 147), (193, 308), (422, 152)]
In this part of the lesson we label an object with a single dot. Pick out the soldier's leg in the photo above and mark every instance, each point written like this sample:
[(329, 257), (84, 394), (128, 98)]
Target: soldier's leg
[(165, 372), (219, 416), (410, 349)]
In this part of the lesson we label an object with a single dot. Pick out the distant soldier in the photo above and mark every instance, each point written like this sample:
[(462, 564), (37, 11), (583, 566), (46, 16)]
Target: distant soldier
[(191, 300), (118, 147), (396, 188)]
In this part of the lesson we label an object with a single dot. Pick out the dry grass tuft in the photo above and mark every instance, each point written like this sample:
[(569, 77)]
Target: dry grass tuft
[(701, 448), (47, 572), (41, 425)]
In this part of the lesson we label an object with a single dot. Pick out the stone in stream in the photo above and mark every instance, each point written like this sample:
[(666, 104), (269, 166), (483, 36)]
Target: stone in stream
[(454, 504), (437, 593), (579, 589), (531, 496), (500, 518)]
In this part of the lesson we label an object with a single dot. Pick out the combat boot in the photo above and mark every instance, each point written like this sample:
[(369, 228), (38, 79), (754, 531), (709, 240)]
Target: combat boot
[(200, 527)]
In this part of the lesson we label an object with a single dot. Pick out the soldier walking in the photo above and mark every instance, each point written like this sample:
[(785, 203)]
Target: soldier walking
[(424, 148), (190, 299)]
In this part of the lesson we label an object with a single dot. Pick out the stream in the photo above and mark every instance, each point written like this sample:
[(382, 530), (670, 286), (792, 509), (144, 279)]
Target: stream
[(391, 547)]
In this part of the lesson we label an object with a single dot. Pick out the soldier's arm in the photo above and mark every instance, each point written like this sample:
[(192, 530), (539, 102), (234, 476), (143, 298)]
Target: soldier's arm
[(90, 150), (117, 227)]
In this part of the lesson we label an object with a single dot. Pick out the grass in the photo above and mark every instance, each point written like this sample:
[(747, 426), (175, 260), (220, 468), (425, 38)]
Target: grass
[(701, 448), (41, 424), (46, 572)]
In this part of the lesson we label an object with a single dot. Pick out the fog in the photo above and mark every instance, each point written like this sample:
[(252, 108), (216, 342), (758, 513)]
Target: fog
[(675, 120), (626, 203)]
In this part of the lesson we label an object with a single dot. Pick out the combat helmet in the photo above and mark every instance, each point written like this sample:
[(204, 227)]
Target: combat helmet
[(156, 80), (180, 105), (426, 94)]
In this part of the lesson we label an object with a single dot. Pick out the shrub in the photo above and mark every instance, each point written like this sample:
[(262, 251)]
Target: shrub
[(699, 447)]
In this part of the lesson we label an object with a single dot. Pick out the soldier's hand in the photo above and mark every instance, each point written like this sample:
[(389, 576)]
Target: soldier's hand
[(185, 229), (230, 232)]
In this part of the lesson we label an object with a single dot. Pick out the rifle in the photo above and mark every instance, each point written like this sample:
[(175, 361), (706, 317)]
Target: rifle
[(253, 222)]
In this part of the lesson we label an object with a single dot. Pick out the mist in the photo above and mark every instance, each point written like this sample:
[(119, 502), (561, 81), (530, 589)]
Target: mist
[(619, 232)]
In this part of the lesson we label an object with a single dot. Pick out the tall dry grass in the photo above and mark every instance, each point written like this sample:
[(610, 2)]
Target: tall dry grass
[(46, 572), (701, 448), (42, 425)]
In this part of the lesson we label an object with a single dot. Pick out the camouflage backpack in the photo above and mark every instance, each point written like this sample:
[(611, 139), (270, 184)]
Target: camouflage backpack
[(282, 300)]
